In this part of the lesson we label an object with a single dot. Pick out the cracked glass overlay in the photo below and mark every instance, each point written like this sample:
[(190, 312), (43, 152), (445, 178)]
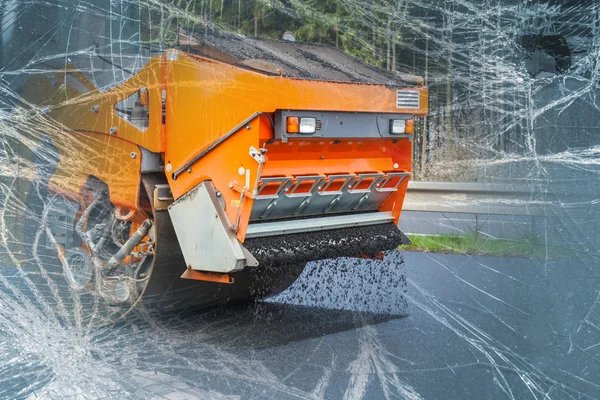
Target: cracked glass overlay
[(513, 100)]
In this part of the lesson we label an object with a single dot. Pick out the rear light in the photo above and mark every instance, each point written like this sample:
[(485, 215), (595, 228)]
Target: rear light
[(397, 126), (301, 125), (308, 125), (292, 124), (410, 126)]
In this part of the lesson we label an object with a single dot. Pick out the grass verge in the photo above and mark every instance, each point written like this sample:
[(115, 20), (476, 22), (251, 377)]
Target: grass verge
[(482, 245)]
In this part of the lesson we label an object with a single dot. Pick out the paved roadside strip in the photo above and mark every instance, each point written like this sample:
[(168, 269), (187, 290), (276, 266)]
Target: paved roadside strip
[(458, 208), (464, 224)]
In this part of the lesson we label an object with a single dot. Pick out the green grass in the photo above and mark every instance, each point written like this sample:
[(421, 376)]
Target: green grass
[(530, 247)]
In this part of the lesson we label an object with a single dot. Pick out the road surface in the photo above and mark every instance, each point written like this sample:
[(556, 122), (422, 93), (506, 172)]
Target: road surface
[(415, 326)]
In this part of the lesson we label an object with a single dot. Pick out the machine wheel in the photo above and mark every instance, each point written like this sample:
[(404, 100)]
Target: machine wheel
[(58, 260)]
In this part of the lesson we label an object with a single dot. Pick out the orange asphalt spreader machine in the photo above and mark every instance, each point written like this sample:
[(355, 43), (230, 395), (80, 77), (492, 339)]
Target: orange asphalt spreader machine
[(224, 165)]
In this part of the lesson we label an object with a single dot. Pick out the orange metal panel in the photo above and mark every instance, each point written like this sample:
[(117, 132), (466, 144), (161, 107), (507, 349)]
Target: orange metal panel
[(223, 166), (85, 154), (207, 276), (304, 157), (357, 156), (82, 138), (74, 109)]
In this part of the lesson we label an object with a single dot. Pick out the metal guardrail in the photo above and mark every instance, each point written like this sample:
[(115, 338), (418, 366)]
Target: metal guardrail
[(475, 198)]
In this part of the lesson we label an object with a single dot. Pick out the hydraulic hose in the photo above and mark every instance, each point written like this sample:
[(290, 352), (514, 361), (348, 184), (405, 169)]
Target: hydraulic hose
[(133, 241)]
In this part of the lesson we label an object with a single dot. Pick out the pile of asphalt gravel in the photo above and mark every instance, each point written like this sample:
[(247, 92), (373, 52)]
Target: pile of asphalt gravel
[(301, 248), (298, 60)]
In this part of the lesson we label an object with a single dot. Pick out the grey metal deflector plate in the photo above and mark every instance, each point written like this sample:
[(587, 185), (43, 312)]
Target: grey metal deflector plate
[(206, 238)]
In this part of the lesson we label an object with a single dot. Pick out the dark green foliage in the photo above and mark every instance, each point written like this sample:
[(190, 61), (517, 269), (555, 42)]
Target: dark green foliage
[(367, 30)]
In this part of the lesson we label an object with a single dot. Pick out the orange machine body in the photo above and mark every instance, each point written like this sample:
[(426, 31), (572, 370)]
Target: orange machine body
[(193, 102), (207, 98)]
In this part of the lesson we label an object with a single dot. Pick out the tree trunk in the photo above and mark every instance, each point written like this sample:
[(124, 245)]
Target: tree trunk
[(426, 122), (394, 48), (374, 44), (427, 58), (388, 39), (449, 128)]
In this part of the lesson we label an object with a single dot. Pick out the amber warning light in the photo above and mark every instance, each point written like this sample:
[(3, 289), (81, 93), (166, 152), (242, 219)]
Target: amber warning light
[(293, 124)]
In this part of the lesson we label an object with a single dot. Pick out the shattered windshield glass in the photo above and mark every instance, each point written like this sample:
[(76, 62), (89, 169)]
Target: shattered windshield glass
[(334, 199)]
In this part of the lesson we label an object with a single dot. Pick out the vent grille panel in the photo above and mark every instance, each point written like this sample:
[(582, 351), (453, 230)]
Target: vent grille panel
[(408, 99)]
